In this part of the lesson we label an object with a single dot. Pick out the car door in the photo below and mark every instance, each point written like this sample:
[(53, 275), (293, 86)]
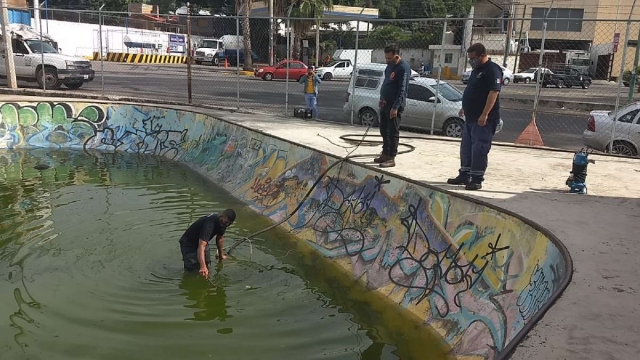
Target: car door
[(298, 70), (340, 71), (419, 109), (627, 125), (281, 71), (21, 59)]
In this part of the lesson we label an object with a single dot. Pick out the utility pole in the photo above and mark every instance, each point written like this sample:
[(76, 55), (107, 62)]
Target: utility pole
[(8, 48), (515, 63), (271, 34), (510, 13)]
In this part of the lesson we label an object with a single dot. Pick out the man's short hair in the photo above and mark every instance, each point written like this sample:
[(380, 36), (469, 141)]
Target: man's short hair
[(477, 49), (392, 48), (230, 214)]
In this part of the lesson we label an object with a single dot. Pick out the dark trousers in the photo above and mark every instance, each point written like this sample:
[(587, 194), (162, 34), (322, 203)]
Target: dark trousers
[(474, 149), (390, 130), (190, 258)]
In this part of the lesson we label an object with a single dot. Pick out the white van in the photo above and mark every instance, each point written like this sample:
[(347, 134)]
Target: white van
[(28, 61), (421, 102)]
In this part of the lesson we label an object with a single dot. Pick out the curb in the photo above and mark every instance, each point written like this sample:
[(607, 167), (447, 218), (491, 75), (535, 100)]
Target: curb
[(140, 100)]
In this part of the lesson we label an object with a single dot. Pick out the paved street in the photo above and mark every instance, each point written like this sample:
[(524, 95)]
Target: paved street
[(219, 86)]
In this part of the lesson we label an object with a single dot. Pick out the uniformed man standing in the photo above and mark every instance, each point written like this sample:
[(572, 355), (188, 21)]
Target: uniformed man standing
[(481, 109), (393, 98)]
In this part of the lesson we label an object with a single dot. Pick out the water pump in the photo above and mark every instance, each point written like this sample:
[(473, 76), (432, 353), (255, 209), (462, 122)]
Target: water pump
[(577, 181)]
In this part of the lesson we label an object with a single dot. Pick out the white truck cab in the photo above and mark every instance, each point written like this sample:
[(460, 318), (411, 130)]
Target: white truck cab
[(338, 69), (210, 51), (58, 69)]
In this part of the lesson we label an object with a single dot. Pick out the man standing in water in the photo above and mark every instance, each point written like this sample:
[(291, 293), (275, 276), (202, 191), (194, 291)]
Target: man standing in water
[(194, 243)]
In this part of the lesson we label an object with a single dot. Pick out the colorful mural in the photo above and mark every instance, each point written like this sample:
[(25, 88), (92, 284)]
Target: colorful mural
[(475, 274)]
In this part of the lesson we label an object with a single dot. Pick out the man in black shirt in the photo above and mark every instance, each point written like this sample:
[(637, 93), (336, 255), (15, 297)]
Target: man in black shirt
[(194, 243), (393, 97), (481, 109)]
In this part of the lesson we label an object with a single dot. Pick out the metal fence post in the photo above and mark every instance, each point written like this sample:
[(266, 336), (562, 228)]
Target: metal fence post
[(540, 60), (189, 93), (441, 56), (622, 65), (354, 75), (286, 95), (238, 59), (44, 70), (101, 57)]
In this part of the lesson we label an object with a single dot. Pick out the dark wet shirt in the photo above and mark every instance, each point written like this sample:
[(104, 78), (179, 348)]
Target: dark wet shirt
[(205, 228)]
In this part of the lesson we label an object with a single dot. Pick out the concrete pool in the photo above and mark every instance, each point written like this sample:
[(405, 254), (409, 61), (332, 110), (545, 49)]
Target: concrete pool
[(476, 275)]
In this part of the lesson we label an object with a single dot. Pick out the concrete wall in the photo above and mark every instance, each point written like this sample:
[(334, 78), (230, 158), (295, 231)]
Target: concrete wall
[(478, 276)]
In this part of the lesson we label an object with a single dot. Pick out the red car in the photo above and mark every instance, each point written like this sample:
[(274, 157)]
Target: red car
[(297, 69)]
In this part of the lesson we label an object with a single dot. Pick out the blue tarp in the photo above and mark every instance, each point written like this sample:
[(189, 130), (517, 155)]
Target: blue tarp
[(19, 17)]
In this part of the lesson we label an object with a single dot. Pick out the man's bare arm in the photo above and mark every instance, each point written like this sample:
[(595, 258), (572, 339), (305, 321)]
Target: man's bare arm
[(491, 100), (202, 245), (220, 245)]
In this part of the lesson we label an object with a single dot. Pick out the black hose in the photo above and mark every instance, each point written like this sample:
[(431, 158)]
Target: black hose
[(340, 161)]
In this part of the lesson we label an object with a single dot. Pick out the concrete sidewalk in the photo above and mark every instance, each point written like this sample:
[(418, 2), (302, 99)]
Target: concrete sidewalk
[(597, 317)]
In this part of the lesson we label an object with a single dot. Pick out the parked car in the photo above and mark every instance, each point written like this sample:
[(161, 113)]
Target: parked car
[(339, 69), (297, 69), (530, 75), (421, 102), (626, 141), (567, 77), (507, 76)]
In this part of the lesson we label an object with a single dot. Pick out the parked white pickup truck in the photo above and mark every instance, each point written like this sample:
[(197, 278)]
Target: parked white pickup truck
[(58, 69), (339, 69)]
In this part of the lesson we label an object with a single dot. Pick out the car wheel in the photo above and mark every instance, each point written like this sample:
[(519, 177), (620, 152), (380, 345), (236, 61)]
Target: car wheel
[(368, 117), (50, 77), (506, 81), (198, 62), (268, 76), (527, 80), (453, 127), (560, 84), (624, 148), (327, 76), (586, 84)]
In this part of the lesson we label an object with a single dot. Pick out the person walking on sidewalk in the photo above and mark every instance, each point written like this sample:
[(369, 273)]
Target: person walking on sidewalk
[(311, 82), (393, 97), (481, 109)]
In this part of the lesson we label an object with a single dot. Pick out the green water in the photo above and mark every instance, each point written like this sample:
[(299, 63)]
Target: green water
[(90, 268)]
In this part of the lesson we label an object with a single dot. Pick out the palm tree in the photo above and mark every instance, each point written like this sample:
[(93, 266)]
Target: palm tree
[(244, 8), (305, 9)]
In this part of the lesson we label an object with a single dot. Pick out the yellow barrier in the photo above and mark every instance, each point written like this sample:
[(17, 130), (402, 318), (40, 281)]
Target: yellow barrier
[(142, 58)]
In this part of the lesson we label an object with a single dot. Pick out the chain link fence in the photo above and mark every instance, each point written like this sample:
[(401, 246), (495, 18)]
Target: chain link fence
[(580, 91)]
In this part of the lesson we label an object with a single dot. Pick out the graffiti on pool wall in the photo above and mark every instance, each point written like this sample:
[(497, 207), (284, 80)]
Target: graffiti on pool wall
[(476, 275), (60, 125)]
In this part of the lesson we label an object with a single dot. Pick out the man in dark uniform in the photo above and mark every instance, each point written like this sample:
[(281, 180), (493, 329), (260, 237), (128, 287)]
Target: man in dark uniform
[(393, 98), (194, 243), (481, 109)]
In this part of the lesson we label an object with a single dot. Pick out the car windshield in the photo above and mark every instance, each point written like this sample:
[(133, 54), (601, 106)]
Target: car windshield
[(209, 44), (530, 71), (333, 63), (39, 47), (449, 92)]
